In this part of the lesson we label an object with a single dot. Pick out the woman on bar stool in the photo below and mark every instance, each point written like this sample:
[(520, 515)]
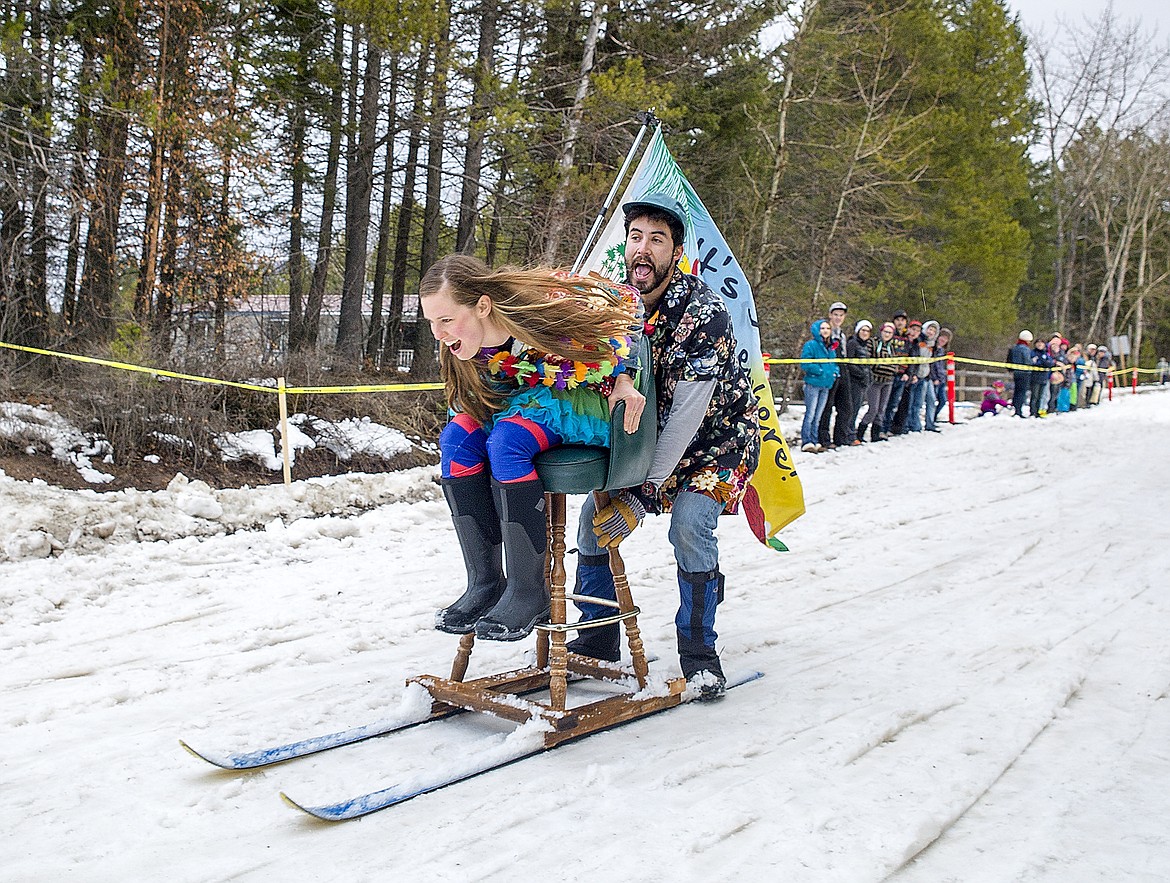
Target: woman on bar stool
[(531, 359)]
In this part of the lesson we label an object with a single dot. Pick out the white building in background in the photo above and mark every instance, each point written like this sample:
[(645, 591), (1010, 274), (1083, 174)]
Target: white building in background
[(256, 327)]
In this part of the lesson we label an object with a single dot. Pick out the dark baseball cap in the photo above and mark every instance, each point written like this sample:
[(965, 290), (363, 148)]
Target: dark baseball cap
[(901, 314), (660, 202)]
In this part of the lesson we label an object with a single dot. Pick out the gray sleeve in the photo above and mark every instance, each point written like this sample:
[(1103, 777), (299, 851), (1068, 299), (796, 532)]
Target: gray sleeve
[(691, 398)]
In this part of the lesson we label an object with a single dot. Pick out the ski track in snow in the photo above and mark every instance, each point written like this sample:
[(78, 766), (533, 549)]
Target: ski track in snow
[(967, 661)]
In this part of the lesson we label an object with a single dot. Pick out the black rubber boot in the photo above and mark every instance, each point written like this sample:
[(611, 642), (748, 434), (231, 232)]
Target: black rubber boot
[(700, 593), (595, 580), (478, 528), (524, 529)]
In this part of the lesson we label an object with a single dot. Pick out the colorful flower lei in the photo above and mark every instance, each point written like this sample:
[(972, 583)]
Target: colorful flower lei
[(531, 368)]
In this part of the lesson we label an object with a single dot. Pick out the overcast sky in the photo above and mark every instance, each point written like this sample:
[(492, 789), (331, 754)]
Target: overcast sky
[(1043, 15)]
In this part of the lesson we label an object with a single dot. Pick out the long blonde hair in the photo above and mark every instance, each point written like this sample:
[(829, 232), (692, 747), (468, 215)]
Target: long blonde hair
[(572, 317)]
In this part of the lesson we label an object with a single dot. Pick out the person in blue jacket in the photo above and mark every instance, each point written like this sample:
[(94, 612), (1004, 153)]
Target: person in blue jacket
[(818, 380), (1021, 354), (1040, 359)]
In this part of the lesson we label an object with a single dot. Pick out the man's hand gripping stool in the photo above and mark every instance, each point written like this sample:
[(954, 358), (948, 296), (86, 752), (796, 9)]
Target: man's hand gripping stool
[(617, 520)]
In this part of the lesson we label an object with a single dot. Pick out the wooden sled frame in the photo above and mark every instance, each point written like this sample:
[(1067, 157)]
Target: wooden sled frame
[(555, 666)]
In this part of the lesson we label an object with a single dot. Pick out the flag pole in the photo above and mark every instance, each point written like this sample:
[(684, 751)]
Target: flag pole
[(649, 121)]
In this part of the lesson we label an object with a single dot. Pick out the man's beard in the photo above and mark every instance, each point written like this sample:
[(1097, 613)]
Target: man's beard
[(656, 278)]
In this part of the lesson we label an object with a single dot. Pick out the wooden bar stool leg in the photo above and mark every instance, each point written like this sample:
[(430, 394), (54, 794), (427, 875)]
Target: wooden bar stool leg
[(625, 598), (541, 634), (558, 654), (462, 656)]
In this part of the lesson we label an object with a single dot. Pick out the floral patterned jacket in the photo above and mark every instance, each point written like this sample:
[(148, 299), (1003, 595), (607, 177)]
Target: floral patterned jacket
[(691, 339)]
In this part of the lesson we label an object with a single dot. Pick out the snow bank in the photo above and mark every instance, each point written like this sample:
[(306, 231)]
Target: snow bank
[(37, 519)]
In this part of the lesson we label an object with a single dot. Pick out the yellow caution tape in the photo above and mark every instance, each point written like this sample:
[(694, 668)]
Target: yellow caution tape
[(433, 386), (215, 381), (913, 360), (384, 387)]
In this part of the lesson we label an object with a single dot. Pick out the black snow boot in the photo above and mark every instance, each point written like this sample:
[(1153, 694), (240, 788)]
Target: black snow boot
[(595, 580), (524, 529), (478, 528)]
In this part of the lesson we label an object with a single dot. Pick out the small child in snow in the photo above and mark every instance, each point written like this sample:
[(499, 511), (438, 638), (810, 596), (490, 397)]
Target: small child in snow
[(993, 399)]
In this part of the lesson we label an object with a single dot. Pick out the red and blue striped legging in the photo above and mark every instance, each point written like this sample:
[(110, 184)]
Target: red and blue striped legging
[(465, 448)]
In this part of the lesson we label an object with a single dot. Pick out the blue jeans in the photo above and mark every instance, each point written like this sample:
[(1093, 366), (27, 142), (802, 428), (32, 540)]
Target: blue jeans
[(815, 398), (931, 400), (693, 519), (917, 393), (897, 390)]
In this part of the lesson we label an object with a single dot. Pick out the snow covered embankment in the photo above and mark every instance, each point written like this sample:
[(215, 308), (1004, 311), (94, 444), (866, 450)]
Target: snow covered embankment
[(37, 520)]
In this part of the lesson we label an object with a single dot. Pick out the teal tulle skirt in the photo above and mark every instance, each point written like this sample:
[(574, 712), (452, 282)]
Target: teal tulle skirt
[(579, 416)]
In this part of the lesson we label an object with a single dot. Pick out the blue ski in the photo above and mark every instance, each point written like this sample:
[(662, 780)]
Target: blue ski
[(523, 743), (523, 681), (250, 760)]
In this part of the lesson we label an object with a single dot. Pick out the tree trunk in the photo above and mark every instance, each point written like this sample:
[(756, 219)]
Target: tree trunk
[(79, 151), (148, 265), (306, 337), (227, 260), (37, 330), (382, 259), (167, 271), (423, 364), (359, 187), (406, 214), (480, 109), (100, 278), (557, 218)]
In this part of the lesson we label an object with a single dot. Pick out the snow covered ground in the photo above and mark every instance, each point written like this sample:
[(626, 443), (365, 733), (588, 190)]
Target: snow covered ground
[(967, 658)]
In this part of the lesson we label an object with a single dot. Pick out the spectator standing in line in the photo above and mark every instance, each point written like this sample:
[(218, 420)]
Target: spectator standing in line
[(913, 393), (1021, 355), (1104, 366), (1075, 374), (839, 396), (938, 373), (1089, 381), (1057, 346), (929, 396), (818, 380), (878, 394), (1040, 359), (860, 346), (901, 343)]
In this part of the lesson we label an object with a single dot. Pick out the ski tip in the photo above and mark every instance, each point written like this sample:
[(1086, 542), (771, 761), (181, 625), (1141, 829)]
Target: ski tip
[(314, 811), (745, 678), (209, 758), (290, 802)]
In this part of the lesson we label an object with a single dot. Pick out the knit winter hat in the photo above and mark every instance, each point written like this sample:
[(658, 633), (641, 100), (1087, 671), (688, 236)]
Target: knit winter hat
[(1026, 336), (864, 323)]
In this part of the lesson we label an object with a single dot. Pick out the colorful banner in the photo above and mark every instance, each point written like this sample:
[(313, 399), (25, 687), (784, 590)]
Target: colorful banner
[(775, 497)]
